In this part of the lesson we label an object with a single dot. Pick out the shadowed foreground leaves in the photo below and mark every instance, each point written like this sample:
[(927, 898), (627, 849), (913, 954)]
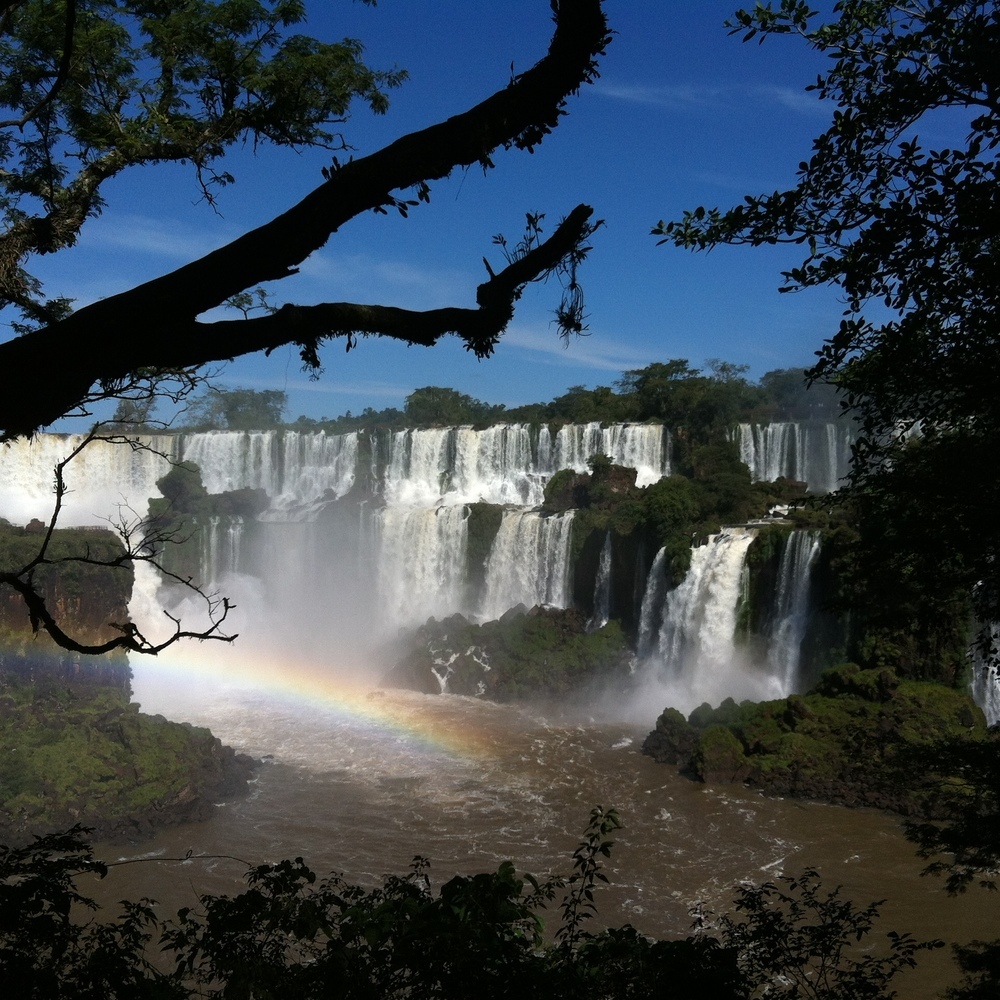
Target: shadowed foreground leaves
[(292, 935)]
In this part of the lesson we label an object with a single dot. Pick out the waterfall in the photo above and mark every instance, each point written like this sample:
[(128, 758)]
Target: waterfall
[(696, 657), (421, 562), (602, 588), (792, 606), (643, 447), (220, 549), (817, 453), (314, 572), (528, 562), (699, 625), (464, 465), (296, 470), (650, 612), (985, 684), (986, 692), (495, 465), (102, 477)]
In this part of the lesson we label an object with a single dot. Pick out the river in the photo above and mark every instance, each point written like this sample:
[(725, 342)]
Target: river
[(360, 780)]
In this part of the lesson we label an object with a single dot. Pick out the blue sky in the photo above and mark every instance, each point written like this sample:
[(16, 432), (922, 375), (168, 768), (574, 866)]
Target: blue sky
[(683, 115)]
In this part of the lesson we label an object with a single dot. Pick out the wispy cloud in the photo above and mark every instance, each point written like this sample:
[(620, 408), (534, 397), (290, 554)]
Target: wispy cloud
[(799, 100), (699, 96), (600, 352), (663, 95), (361, 277), (366, 388), (157, 237)]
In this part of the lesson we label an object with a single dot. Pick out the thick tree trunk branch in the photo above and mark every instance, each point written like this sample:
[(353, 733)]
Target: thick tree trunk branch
[(201, 343), (49, 372)]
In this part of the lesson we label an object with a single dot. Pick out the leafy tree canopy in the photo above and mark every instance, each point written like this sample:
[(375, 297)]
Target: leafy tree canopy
[(237, 409), (92, 87), (436, 405), (908, 231)]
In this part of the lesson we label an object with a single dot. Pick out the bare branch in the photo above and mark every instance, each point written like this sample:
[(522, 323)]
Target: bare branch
[(306, 326), (142, 542)]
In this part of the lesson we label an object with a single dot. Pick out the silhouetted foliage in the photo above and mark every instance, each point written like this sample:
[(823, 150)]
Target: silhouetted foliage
[(290, 934)]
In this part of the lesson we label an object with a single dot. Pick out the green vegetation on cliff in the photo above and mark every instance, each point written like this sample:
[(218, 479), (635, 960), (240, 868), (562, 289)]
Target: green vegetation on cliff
[(72, 747), (526, 654), (82, 753), (669, 514), (850, 740), (72, 581)]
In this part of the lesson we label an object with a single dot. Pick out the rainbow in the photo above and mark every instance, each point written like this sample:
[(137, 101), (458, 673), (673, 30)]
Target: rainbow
[(428, 723)]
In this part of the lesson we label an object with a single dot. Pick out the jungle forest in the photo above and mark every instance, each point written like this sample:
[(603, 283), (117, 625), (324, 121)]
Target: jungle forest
[(687, 684)]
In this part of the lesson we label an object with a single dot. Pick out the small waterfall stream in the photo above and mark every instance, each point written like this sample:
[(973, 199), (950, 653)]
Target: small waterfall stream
[(792, 605), (602, 588)]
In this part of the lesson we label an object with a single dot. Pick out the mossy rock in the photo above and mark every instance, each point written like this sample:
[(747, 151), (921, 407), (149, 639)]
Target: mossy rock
[(526, 654), (852, 740), (673, 740), (718, 757)]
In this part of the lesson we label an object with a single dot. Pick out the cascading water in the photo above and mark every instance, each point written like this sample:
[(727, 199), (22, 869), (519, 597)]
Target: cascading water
[(602, 588), (688, 639), (643, 447), (421, 566), (400, 556), (651, 609), (296, 470), (100, 478), (985, 684), (817, 453), (792, 606), (529, 562), (697, 658), (220, 547)]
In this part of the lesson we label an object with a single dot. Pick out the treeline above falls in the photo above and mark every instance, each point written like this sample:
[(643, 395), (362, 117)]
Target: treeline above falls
[(343, 540)]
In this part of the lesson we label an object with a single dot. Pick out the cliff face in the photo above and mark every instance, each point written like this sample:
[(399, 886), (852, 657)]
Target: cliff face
[(85, 598), (72, 747)]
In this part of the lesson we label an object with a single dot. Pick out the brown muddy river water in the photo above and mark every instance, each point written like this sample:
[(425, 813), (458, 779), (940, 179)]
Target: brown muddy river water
[(360, 780)]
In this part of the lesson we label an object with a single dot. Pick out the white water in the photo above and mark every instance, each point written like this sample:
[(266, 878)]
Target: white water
[(602, 588), (696, 657), (651, 610), (985, 685), (643, 447), (816, 453), (100, 479), (792, 606), (528, 563), (421, 562)]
